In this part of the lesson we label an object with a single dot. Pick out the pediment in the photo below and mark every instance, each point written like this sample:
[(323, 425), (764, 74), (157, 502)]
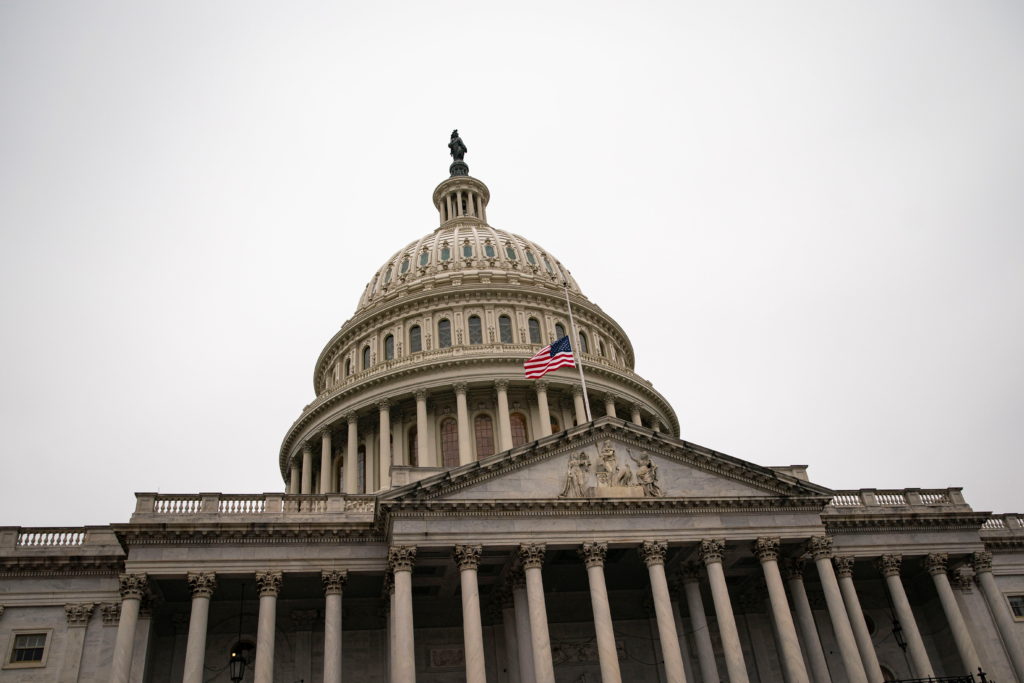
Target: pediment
[(608, 459)]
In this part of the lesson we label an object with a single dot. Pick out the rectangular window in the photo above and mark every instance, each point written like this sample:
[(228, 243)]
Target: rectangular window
[(28, 649), (1016, 606)]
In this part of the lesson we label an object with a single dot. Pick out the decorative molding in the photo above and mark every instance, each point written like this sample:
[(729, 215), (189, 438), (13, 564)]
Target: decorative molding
[(820, 547), (501, 385), (401, 558), (531, 555), (334, 581), (653, 552), (936, 563), (844, 565), (459, 388), (711, 550), (202, 584), (78, 614), (268, 583), (889, 564), (541, 386), (420, 394), (467, 556), (766, 548), (133, 586), (593, 554), (384, 405), (111, 613)]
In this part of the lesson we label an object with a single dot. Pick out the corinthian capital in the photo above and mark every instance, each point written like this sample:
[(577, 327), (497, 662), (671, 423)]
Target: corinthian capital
[(460, 388), (269, 582), (383, 405), (467, 556), (936, 563), (793, 568), (653, 552), (577, 390), (334, 581), (517, 578), (501, 385), (541, 385), (78, 615), (689, 572), (532, 555), (889, 565), (820, 547), (982, 562), (711, 549), (420, 394), (401, 558), (132, 586), (593, 554), (766, 548), (844, 565), (202, 584), (111, 613)]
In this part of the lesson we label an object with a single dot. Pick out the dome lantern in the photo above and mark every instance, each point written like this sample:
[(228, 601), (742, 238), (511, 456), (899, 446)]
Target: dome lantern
[(461, 196)]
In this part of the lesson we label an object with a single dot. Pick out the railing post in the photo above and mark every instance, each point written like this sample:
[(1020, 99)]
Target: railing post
[(273, 503), (868, 497), (144, 503), (209, 503), (956, 497), (335, 502), (913, 497)]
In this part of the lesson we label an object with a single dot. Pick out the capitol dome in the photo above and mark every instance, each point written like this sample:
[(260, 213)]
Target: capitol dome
[(432, 359)]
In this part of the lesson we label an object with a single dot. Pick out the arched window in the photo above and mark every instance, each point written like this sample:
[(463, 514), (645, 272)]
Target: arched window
[(361, 469), (600, 347), (510, 252), (584, 346), (414, 455), (483, 428), (415, 339), (559, 331), (348, 367), (505, 329), (555, 427), (366, 358), (489, 250), (449, 442), (467, 250), (444, 334), (534, 326), (389, 347), (476, 332), (518, 422)]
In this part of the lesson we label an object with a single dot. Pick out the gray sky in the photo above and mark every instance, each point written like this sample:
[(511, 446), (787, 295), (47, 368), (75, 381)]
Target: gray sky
[(807, 216)]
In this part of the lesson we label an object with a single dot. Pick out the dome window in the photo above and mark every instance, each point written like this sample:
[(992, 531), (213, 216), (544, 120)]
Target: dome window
[(547, 264), (600, 347), (518, 423), (530, 258), (467, 250), (348, 367), (534, 326), (415, 339), (505, 329), (483, 427), (444, 334), (511, 253), (389, 347), (449, 442), (559, 331), (584, 346), (476, 332), (489, 250), (404, 268), (366, 358), (412, 448), (424, 258), (387, 277), (446, 253)]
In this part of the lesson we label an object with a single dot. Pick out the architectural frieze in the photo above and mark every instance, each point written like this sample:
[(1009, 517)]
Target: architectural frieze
[(901, 521), (300, 532)]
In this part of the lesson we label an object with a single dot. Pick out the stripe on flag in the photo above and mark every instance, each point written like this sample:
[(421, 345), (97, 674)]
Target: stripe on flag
[(556, 355)]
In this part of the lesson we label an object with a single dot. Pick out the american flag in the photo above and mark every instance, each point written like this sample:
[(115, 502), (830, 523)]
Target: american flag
[(556, 355)]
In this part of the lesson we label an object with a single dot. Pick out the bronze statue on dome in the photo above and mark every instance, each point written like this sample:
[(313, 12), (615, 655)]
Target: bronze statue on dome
[(457, 146)]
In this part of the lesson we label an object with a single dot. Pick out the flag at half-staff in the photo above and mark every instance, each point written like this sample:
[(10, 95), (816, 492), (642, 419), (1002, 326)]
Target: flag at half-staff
[(557, 354)]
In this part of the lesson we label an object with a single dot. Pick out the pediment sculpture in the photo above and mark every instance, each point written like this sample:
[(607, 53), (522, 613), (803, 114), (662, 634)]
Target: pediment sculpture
[(611, 478)]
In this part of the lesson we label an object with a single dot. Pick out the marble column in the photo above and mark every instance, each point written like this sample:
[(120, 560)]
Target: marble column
[(805, 619), (422, 435), (268, 584), (593, 555), (766, 550), (936, 564), (690, 576), (334, 583), (524, 638), (541, 385), (384, 452), (307, 469), (577, 402), (820, 548), (889, 566), (295, 477), (982, 563), (352, 455), (634, 414), (468, 559), (684, 646), (710, 553), (844, 572), (201, 585), (509, 628), (77, 616), (531, 555), (656, 424), (403, 661), (609, 405), (326, 478), (653, 554), (302, 642), (465, 428), (504, 423), (132, 587)]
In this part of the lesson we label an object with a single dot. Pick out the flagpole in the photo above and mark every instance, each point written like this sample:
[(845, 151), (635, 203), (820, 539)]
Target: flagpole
[(575, 344)]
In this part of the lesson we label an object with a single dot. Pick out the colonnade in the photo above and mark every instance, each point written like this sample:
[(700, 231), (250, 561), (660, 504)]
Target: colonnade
[(524, 615), (390, 447)]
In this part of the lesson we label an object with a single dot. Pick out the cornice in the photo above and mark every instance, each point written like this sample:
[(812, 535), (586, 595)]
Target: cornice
[(56, 565), (1003, 544), (228, 534), (897, 521)]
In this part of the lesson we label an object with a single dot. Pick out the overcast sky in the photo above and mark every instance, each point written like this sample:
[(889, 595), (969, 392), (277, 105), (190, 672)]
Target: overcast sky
[(809, 218)]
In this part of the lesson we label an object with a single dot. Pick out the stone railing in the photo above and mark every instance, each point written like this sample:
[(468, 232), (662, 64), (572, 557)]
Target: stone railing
[(50, 538), (875, 498), (75, 540), (1010, 521), (168, 507)]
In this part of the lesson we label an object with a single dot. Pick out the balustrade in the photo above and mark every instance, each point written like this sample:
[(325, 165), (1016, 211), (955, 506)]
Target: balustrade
[(50, 538)]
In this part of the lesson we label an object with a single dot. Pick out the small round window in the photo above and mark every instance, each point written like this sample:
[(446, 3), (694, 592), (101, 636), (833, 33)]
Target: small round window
[(489, 250)]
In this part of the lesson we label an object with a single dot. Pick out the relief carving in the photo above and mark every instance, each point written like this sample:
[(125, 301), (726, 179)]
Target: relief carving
[(610, 478)]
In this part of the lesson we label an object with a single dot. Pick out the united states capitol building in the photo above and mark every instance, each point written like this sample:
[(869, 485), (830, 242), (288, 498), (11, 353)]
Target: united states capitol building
[(443, 518)]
